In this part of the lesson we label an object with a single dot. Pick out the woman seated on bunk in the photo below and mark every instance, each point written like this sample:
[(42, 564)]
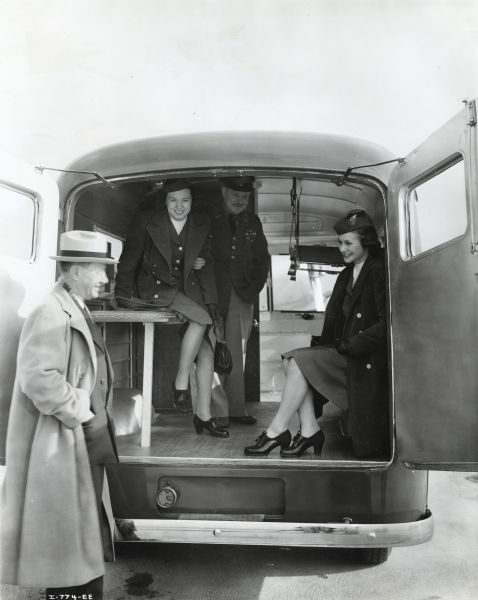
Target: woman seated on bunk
[(348, 366), (166, 262)]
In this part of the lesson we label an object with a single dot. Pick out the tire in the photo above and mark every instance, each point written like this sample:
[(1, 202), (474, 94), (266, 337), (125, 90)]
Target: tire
[(375, 556)]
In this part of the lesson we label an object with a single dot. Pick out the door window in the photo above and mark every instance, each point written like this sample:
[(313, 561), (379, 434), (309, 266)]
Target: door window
[(434, 211), (17, 216)]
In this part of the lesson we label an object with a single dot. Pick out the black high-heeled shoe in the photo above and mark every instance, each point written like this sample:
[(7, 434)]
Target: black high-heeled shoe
[(264, 444), (209, 425), (300, 444), (182, 400)]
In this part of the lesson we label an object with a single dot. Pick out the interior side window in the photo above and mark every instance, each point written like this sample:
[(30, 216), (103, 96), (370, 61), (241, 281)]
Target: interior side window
[(435, 211), (116, 243), (17, 217), (309, 292), (116, 247)]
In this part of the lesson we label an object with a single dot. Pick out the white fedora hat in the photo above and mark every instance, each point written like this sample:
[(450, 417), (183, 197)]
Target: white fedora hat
[(84, 246)]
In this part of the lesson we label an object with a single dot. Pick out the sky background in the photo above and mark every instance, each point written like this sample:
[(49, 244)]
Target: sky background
[(79, 74)]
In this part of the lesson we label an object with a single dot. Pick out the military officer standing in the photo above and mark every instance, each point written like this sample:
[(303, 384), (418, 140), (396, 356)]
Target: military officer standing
[(241, 261)]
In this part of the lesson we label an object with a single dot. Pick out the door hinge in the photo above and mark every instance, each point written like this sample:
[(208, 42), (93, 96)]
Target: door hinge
[(474, 248), (472, 110)]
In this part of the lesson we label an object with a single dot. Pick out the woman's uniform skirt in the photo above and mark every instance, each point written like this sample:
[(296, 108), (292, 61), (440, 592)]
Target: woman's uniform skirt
[(324, 369), (182, 305), (190, 310), (186, 308)]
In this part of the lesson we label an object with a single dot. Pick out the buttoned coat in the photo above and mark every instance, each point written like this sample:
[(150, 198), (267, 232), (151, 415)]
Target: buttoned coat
[(49, 532), (241, 259), (365, 327), (145, 267)]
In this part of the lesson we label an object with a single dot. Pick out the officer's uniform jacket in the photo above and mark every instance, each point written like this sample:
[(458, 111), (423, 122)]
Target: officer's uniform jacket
[(241, 257), (152, 258)]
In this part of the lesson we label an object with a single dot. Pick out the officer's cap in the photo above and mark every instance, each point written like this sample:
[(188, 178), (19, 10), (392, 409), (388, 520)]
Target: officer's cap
[(239, 184)]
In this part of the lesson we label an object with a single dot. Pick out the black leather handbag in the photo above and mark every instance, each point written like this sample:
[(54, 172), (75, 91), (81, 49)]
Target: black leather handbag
[(222, 358), (222, 355)]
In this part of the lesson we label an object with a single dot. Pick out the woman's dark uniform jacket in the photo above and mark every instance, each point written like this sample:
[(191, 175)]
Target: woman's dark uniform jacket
[(241, 257), (365, 329), (146, 265)]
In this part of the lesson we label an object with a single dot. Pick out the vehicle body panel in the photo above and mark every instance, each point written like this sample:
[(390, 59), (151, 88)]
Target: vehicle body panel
[(434, 296), (230, 150), (238, 500), (25, 278)]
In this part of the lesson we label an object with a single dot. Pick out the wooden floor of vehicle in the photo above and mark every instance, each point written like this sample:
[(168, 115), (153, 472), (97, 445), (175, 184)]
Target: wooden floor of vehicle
[(175, 436)]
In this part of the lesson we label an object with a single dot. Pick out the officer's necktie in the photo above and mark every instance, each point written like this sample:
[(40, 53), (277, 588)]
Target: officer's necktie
[(233, 223)]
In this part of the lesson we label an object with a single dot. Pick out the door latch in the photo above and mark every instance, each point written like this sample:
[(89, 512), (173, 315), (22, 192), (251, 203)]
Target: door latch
[(472, 108)]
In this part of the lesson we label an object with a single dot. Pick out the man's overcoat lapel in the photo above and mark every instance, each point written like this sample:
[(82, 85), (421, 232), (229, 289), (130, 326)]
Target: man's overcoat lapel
[(77, 320)]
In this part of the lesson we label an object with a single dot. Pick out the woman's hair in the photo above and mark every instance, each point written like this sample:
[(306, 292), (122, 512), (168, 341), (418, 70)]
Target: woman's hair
[(358, 221), (369, 239), (174, 185)]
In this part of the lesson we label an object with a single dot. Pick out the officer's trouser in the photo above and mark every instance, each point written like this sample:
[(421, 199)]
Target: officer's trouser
[(228, 398)]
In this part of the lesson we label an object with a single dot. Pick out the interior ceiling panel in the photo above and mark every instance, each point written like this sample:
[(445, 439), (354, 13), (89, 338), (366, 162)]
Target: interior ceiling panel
[(321, 204)]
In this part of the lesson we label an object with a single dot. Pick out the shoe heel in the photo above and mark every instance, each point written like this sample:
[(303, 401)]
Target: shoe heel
[(198, 426), (318, 445)]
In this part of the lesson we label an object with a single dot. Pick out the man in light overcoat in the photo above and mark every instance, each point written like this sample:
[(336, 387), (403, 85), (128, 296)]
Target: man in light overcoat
[(56, 523)]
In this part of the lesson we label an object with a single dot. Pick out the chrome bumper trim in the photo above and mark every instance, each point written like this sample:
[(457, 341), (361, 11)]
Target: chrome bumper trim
[(344, 535), (269, 462)]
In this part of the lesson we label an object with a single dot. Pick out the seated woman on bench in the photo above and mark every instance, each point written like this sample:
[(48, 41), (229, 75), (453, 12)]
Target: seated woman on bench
[(349, 364), (166, 262)]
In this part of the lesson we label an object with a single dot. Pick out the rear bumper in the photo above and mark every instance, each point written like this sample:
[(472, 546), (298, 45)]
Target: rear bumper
[(343, 535)]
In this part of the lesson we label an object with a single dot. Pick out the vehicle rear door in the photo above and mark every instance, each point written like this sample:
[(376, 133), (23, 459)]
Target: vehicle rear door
[(433, 267), (28, 237)]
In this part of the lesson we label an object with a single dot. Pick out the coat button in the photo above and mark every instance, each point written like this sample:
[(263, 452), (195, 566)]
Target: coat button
[(158, 282), (369, 366), (233, 237), (178, 261), (176, 268), (233, 257), (180, 248), (233, 247), (156, 296), (359, 315)]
